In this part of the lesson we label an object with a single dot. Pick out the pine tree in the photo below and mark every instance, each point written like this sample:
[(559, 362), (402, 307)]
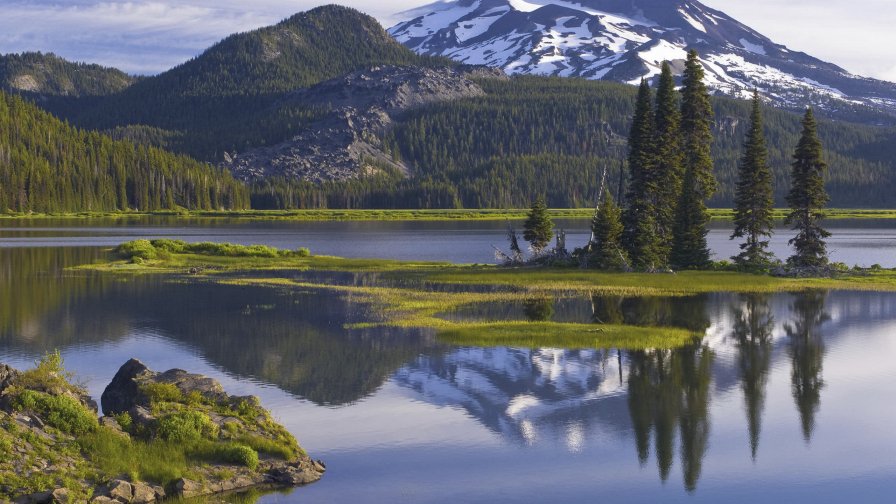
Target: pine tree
[(753, 199), (668, 167), (807, 198), (538, 229), (606, 226), (689, 249), (639, 237)]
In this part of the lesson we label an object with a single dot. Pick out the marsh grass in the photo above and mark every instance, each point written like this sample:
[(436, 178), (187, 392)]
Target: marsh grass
[(417, 303), (419, 308)]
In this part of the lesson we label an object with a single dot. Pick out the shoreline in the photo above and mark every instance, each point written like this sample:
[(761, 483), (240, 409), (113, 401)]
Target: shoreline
[(719, 214)]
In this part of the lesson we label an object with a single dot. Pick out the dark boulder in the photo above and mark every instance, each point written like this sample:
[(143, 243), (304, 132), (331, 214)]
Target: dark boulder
[(7, 376), (125, 393), (122, 393)]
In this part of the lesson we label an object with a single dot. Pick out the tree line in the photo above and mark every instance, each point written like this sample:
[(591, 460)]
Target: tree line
[(48, 166), (664, 217)]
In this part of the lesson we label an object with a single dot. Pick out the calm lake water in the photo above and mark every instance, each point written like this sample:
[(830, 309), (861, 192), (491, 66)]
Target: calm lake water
[(862, 242), (787, 397)]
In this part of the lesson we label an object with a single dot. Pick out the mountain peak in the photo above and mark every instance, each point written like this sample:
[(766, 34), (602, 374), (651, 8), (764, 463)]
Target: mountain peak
[(627, 40)]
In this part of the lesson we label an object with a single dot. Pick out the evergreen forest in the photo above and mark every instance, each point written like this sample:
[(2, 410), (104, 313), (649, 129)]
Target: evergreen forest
[(49, 166)]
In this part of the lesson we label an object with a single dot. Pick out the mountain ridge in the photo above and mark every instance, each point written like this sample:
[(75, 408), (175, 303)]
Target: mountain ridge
[(46, 74), (626, 40)]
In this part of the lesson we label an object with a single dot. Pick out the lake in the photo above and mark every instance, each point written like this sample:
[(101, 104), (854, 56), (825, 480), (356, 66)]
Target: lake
[(862, 242), (785, 398)]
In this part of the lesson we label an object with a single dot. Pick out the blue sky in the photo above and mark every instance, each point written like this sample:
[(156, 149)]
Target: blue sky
[(149, 36)]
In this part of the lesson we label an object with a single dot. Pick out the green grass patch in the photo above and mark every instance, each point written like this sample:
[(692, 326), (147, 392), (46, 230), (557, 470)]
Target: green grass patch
[(552, 334), (62, 412)]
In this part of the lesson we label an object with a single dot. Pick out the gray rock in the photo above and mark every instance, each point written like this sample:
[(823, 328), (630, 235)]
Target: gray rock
[(7, 376), (61, 496), (121, 490), (141, 416), (188, 488), (143, 493), (102, 499)]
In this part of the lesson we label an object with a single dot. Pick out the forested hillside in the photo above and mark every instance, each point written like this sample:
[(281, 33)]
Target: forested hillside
[(221, 101), (50, 75), (557, 136), (486, 145), (49, 166)]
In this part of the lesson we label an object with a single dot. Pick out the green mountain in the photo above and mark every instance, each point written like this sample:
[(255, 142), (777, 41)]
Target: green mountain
[(557, 136), (248, 70), (48, 166), (50, 75)]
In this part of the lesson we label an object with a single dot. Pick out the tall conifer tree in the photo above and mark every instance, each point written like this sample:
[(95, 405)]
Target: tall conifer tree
[(753, 197), (640, 237), (538, 228), (606, 227), (668, 167), (807, 198), (689, 249)]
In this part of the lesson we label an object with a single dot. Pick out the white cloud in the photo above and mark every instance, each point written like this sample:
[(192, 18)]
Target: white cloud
[(148, 36)]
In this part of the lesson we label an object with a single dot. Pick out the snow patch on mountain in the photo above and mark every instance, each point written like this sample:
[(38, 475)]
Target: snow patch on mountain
[(627, 40)]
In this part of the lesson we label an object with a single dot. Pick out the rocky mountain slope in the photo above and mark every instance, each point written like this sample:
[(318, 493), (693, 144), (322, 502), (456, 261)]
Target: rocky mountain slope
[(626, 40), (345, 142)]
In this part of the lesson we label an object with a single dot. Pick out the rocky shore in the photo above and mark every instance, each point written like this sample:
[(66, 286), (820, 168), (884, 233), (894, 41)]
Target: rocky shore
[(164, 435)]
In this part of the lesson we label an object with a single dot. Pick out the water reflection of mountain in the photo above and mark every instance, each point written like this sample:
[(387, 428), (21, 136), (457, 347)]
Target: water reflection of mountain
[(295, 340), (659, 398)]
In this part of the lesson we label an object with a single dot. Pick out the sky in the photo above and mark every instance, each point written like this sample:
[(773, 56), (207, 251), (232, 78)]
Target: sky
[(150, 36)]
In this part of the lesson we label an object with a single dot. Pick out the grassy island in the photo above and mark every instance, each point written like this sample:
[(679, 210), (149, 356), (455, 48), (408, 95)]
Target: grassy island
[(417, 294)]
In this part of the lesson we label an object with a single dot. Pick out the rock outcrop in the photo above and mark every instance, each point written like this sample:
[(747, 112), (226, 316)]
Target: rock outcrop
[(144, 403), (7, 376), (126, 391), (344, 142)]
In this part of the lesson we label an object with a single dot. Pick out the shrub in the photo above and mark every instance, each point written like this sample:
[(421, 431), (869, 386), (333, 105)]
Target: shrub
[(62, 412), (303, 252), (48, 375), (141, 250), (186, 426), (162, 392), (124, 421), (233, 454), (172, 246)]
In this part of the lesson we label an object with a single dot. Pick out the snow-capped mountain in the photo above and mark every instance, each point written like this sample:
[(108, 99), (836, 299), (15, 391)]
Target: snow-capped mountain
[(626, 40)]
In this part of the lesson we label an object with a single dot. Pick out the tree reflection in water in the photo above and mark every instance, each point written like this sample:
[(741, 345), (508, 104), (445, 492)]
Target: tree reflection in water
[(806, 355)]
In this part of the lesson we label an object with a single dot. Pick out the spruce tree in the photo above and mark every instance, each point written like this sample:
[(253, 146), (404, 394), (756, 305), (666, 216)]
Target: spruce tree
[(606, 226), (668, 167), (807, 198), (538, 228), (753, 197), (639, 237), (689, 249)]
